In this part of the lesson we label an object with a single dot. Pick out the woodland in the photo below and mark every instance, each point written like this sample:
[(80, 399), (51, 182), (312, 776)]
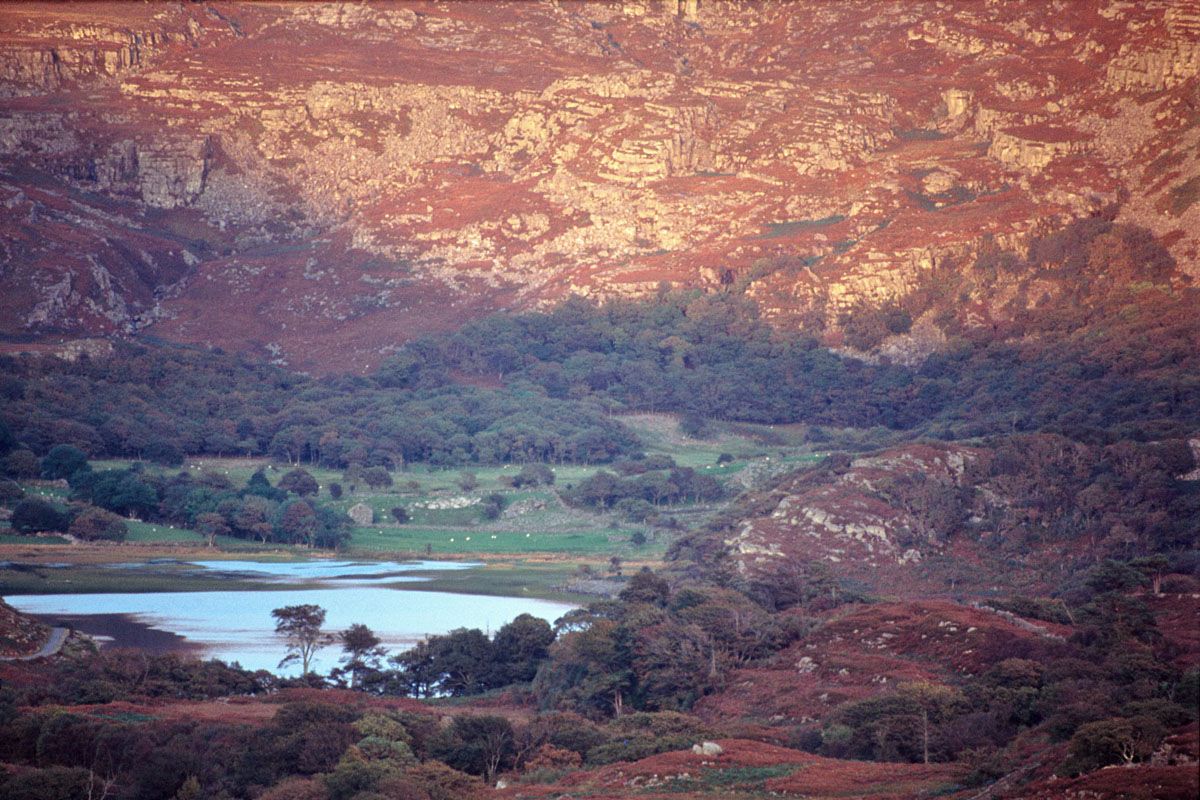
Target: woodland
[(1080, 410)]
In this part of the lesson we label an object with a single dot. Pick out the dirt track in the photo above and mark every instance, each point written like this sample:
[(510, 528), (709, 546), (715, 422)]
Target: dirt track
[(53, 644)]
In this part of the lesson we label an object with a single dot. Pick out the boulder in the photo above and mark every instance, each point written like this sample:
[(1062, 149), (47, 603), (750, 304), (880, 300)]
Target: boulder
[(361, 514)]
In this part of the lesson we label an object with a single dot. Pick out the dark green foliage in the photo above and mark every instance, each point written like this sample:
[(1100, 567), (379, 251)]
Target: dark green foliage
[(124, 674), (518, 648), (8, 442), (1107, 360), (52, 783), (865, 327), (63, 461), (21, 463), (164, 452), (362, 653), (299, 522), (458, 664), (335, 490), (34, 516), (120, 491), (300, 482), (416, 672), (94, 524), (376, 477), (258, 481), (1123, 496), (1187, 691), (165, 402), (534, 475), (10, 493), (260, 486), (644, 734), (493, 504), (355, 779), (400, 514), (464, 662), (656, 650), (883, 729), (1118, 740), (300, 626), (682, 484), (634, 509), (1114, 576), (304, 738), (694, 425), (646, 587), (477, 745)]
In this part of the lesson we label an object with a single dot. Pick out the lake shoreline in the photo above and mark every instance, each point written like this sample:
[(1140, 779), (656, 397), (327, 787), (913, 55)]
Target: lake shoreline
[(228, 621), (119, 631), (36, 568)]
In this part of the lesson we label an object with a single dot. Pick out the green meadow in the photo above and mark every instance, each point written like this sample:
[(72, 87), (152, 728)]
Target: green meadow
[(534, 545)]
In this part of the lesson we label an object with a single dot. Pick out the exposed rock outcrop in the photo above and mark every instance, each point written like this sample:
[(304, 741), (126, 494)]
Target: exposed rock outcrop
[(374, 172)]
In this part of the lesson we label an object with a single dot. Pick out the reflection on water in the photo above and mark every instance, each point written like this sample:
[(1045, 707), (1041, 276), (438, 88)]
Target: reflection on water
[(237, 626)]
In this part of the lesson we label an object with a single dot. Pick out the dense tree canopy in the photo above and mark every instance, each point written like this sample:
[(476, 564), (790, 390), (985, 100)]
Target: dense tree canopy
[(1108, 359)]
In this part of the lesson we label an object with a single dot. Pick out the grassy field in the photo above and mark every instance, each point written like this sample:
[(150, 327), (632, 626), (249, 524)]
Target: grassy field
[(143, 532), (532, 547)]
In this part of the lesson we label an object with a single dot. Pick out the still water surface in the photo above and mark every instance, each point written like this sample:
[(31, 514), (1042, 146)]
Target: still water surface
[(237, 626)]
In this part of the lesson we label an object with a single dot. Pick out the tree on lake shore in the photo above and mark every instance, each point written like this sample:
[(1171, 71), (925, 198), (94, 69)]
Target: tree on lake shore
[(362, 652), (301, 625)]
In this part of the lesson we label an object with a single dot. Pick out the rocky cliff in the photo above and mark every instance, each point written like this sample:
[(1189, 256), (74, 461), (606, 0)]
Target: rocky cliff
[(323, 181)]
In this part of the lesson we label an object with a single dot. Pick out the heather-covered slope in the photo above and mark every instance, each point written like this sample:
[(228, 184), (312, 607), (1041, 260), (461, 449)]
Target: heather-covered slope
[(1023, 512), (322, 181)]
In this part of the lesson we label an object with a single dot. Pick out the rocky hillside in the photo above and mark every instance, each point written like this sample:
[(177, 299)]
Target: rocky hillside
[(1023, 512), (320, 182)]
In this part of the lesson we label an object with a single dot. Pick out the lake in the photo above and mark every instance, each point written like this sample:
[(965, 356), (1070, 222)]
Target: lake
[(237, 626)]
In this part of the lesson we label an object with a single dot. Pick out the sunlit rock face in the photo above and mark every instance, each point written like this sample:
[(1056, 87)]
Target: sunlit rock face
[(323, 182)]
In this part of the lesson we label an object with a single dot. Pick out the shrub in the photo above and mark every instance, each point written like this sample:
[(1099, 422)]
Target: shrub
[(493, 504), (21, 464), (634, 509), (534, 475), (645, 734), (549, 757), (1113, 741), (296, 789), (35, 516), (694, 425), (63, 461), (354, 778), (53, 783), (376, 477), (165, 453), (10, 493), (96, 523), (299, 482)]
